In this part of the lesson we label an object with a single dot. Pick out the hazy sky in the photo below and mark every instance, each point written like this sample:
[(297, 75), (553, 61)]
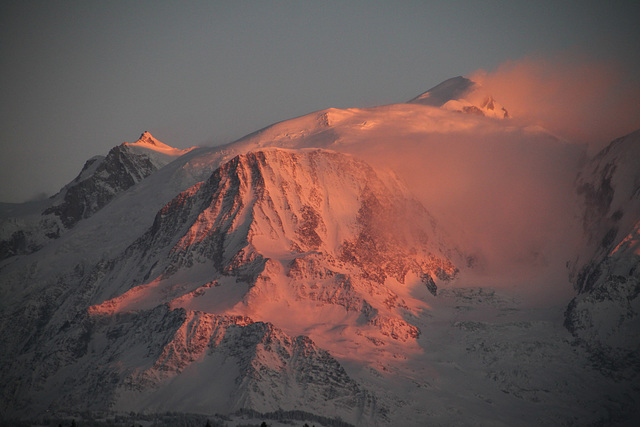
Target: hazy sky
[(79, 77)]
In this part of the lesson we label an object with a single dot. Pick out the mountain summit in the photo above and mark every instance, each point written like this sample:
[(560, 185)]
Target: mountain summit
[(147, 141), (453, 88), (100, 181), (462, 95)]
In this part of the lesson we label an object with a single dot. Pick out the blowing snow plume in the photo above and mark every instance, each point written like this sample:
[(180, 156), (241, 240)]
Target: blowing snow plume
[(579, 99), (504, 194), (505, 190)]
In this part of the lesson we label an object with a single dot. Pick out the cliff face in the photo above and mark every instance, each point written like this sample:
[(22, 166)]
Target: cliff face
[(270, 234)]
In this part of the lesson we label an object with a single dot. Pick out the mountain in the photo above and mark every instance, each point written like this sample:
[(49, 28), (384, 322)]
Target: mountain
[(353, 263), (101, 179), (321, 234), (605, 314), (323, 217), (462, 95)]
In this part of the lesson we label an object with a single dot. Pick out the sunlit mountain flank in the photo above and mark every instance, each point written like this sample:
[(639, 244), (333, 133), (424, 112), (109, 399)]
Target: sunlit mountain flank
[(441, 261)]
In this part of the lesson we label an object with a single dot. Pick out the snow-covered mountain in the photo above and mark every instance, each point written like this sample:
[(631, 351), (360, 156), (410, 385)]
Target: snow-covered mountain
[(101, 179), (311, 233), (302, 268), (606, 312), (462, 95)]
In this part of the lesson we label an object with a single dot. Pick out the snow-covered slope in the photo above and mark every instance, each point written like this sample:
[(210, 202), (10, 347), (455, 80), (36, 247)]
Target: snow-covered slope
[(317, 265), (276, 235), (102, 179), (462, 95), (606, 313), (315, 227), (160, 359), (99, 182)]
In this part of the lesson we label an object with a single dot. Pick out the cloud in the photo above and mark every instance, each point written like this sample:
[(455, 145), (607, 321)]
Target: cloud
[(502, 193), (577, 98)]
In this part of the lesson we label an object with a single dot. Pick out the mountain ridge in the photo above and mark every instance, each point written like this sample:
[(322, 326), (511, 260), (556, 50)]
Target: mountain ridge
[(462, 95), (101, 179)]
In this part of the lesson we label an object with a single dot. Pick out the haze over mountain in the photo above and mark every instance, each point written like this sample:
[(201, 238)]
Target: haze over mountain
[(431, 262)]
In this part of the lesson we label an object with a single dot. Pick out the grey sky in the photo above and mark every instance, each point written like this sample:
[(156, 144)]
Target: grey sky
[(79, 77)]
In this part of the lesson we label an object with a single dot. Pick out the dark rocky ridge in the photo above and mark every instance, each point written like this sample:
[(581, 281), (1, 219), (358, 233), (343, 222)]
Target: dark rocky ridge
[(101, 180)]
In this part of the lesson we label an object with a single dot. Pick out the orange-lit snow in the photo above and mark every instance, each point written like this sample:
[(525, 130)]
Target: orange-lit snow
[(147, 141), (273, 196), (581, 99)]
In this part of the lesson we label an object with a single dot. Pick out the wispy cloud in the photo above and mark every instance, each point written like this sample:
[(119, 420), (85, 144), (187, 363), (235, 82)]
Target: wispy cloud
[(578, 98)]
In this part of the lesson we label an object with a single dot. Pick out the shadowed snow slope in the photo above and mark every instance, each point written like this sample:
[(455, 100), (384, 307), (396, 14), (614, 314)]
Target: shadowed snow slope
[(606, 313), (99, 182)]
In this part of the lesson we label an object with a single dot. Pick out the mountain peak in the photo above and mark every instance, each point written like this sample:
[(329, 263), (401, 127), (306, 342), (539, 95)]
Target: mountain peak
[(453, 88), (148, 141), (147, 138), (462, 95)]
